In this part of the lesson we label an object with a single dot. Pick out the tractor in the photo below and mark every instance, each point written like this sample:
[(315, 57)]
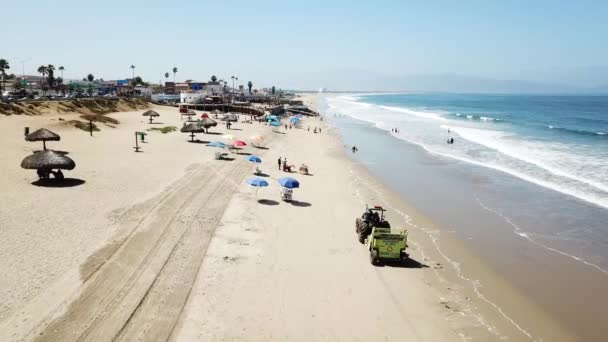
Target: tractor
[(383, 242)]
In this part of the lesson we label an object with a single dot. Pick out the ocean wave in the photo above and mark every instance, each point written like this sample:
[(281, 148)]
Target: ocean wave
[(477, 117), (421, 114), (578, 131)]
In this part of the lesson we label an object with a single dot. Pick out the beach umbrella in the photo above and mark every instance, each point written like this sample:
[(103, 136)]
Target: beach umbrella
[(151, 114), (48, 159), (216, 144), (230, 118), (239, 143), (288, 182), (294, 120), (256, 181), (216, 111), (207, 123), (254, 159), (43, 135), (193, 128), (273, 117), (205, 116), (275, 123)]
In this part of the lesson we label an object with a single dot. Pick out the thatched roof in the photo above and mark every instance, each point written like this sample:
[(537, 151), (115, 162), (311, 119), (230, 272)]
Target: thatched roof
[(150, 113), (42, 134), (230, 117), (207, 122), (48, 159), (194, 127)]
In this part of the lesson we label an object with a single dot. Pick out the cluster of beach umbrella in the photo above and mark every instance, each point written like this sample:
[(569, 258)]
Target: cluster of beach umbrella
[(45, 161), (200, 126)]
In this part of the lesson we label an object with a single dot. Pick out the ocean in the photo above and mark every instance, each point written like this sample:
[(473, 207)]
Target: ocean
[(524, 185), (558, 142)]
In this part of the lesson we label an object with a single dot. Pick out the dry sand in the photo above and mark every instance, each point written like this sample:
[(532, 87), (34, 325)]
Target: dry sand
[(172, 244)]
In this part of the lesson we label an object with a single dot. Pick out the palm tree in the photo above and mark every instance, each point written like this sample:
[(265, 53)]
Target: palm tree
[(61, 68), (174, 72), (50, 70), (42, 70), (233, 77), (3, 67), (133, 67), (249, 85), (213, 79), (90, 77)]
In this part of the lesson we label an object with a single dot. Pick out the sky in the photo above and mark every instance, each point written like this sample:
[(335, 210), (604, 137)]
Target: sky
[(342, 45)]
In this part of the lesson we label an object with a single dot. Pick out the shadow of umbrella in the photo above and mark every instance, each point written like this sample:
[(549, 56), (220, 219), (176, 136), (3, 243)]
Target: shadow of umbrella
[(65, 183)]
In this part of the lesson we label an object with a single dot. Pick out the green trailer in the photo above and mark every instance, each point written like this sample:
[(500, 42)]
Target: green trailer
[(386, 244)]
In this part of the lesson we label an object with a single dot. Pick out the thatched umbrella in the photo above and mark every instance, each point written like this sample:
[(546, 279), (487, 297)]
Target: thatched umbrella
[(216, 111), (208, 122), (151, 114), (43, 135), (45, 161), (230, 118), (195, 127)]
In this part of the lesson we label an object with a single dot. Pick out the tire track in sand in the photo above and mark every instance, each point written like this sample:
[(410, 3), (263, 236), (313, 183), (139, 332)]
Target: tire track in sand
[(111, 297)]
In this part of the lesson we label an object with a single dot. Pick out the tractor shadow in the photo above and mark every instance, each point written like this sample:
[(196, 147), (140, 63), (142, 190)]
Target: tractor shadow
[(407, 263)]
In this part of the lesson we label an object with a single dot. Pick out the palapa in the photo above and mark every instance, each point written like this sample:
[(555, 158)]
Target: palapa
[(43, 135), (192, 128), (151, 114), (48, 159), (230, 117), (208, 122)]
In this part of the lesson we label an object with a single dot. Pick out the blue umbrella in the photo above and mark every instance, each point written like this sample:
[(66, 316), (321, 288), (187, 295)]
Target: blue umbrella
[(273, 117), (289, 182), (275, 123), (216, 144), (295, 119), (254, 159), (257, 182)]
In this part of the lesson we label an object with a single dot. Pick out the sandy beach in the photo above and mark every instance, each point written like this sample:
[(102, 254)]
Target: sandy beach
[(171, 244)]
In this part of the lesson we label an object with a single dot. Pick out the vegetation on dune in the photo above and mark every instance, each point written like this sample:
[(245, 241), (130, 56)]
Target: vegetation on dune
[(163, 130), (83, 125), (100, 118)]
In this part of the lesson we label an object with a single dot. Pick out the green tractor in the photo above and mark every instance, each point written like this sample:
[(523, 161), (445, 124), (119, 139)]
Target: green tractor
[(383, 242)]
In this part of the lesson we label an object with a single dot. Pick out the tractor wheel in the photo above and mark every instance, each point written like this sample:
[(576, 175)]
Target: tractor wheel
[(373, 257), (358, 223)]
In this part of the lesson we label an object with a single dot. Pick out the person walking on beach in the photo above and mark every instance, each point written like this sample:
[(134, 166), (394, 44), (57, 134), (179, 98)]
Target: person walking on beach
[(279, 162)]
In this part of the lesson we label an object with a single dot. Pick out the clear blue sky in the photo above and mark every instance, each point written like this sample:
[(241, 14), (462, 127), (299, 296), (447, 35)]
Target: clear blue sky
[(302, 43)]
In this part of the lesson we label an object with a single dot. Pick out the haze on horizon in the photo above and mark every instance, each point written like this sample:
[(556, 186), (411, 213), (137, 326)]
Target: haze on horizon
[(514, 46)]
